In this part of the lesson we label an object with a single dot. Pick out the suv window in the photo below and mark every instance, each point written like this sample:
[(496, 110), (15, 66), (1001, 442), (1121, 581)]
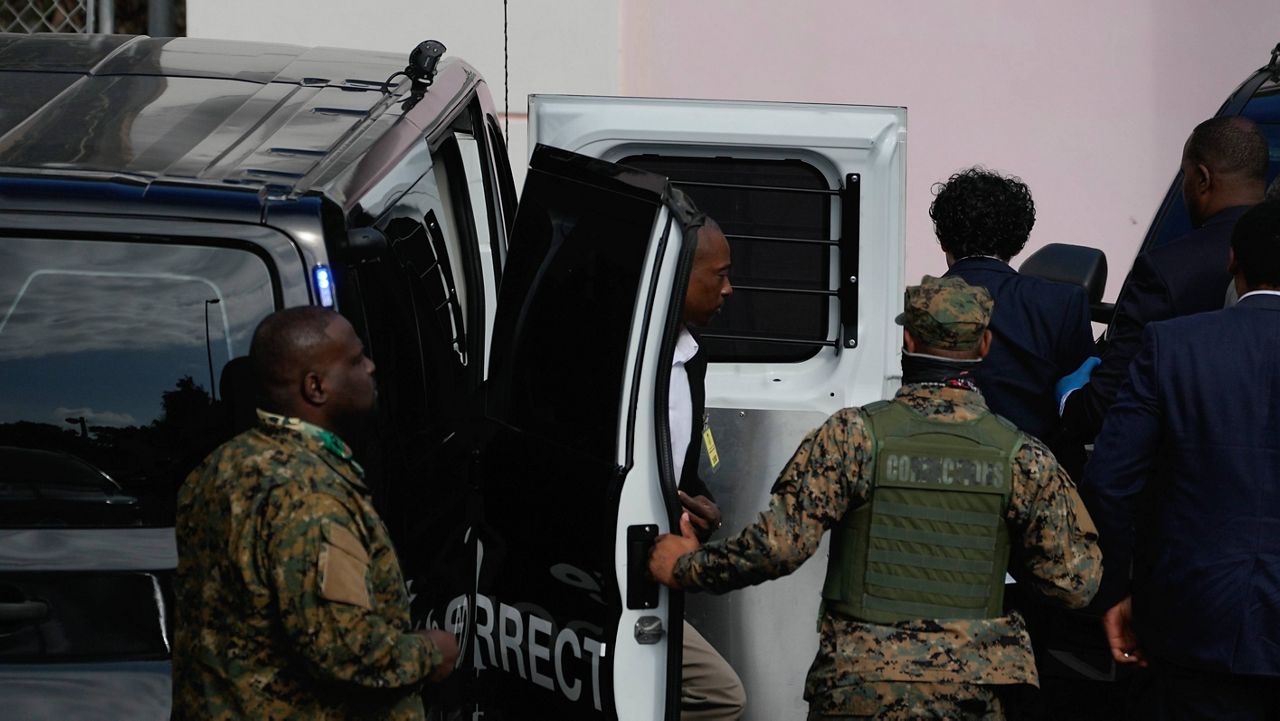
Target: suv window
[(486, 218), (109, 353), (506, 191), (417, 305), (777, 217), (415, 301)]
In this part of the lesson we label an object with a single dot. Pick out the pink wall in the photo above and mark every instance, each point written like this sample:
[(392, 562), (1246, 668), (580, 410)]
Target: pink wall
[(1089, 104)]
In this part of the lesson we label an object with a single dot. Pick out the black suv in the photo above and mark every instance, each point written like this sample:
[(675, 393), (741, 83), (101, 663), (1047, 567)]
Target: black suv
[(158, 197)]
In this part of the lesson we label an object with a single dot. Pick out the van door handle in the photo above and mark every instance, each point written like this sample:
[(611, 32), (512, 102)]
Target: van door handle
[(24, 612), (649, 630), (642, 591)]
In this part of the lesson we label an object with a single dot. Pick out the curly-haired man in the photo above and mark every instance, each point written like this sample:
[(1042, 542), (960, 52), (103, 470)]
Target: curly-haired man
[(1041, 329)]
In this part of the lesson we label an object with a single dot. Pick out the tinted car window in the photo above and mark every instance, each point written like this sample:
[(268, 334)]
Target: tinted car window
[(85, 615), (405, 304), (782, 284), (559, 356), (1264, 109), (109, 355)]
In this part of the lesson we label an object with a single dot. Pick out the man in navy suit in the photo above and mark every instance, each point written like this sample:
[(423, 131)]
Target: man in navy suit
[(1040, 329), (1184, 485), (1224, 170)]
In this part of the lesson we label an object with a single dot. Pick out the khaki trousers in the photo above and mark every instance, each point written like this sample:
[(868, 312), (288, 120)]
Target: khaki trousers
[(711, 689)]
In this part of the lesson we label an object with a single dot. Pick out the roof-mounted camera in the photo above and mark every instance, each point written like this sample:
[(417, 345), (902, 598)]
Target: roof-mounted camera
[(421, 69)]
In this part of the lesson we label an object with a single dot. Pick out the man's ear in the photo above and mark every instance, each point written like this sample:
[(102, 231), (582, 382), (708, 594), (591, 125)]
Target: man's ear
[(984, 345), (908, 342), (313, 389), (1232, 266), (1202, 178)]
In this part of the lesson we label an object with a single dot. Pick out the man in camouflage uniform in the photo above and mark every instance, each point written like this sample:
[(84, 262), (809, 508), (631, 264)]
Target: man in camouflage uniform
[(290, 600), (943, 666)]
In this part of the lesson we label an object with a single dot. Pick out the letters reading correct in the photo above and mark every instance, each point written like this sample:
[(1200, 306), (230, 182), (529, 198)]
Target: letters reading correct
[(966, 472), (484, 630), (511, 633), (539, 650), (597, 651), (568, 638), (523, 635)]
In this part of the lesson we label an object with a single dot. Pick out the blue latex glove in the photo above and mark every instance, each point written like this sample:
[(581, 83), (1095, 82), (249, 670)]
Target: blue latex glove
[(1076, 379)]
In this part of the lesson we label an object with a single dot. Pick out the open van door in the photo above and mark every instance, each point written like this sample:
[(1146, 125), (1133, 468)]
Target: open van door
[(811, 198), (569, 476)]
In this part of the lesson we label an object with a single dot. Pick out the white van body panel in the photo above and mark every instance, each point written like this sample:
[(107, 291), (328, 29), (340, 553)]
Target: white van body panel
[(836, 139), (759, 412)]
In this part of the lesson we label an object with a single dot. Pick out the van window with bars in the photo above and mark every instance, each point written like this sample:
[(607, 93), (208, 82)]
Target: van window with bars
[(777, 217), (115, 375)]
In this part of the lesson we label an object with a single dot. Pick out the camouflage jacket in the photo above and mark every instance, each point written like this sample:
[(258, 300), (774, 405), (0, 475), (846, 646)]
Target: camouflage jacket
[(1051, 532), (290, 600)]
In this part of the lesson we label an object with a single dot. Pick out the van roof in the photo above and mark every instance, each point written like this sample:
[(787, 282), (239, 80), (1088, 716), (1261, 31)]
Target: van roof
[(229, 114)]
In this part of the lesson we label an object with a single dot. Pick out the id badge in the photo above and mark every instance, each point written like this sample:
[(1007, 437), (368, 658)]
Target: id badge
[(709, 441)]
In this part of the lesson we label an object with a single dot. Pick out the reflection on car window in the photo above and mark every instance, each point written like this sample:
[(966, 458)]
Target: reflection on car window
[(1264, 109), (564, 313), (108, 358)]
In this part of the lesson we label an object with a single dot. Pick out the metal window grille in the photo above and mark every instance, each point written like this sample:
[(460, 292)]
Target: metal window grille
[(847, 243), (777, 216), (48, 16)]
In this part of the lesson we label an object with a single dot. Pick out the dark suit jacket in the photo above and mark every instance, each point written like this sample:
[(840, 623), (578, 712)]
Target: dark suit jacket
[(1185, 481), (1040, 333), (1189, 275), (690, 482)]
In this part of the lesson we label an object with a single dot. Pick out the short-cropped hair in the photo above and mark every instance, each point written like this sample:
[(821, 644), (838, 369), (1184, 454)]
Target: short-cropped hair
[(1231, 145)]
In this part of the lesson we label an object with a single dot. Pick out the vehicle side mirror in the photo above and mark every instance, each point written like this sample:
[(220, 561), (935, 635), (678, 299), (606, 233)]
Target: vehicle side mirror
[(1077, 265)]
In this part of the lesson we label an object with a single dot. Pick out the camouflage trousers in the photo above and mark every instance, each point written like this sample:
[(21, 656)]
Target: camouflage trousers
[(908, 701)]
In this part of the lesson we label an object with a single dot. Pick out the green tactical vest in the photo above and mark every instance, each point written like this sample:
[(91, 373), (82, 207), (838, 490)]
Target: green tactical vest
[(931, 542)]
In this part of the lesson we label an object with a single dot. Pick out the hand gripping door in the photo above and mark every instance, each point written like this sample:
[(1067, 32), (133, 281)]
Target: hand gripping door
[(580, 317)]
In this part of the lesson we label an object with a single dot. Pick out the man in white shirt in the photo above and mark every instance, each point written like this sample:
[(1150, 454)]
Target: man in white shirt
[(711, 690)]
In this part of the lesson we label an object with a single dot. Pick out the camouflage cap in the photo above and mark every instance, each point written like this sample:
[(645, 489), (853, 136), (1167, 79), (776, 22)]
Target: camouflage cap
[(946, 313)]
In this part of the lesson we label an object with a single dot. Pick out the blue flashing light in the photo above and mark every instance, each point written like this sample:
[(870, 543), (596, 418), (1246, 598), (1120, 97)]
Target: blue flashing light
[(324, 285)]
